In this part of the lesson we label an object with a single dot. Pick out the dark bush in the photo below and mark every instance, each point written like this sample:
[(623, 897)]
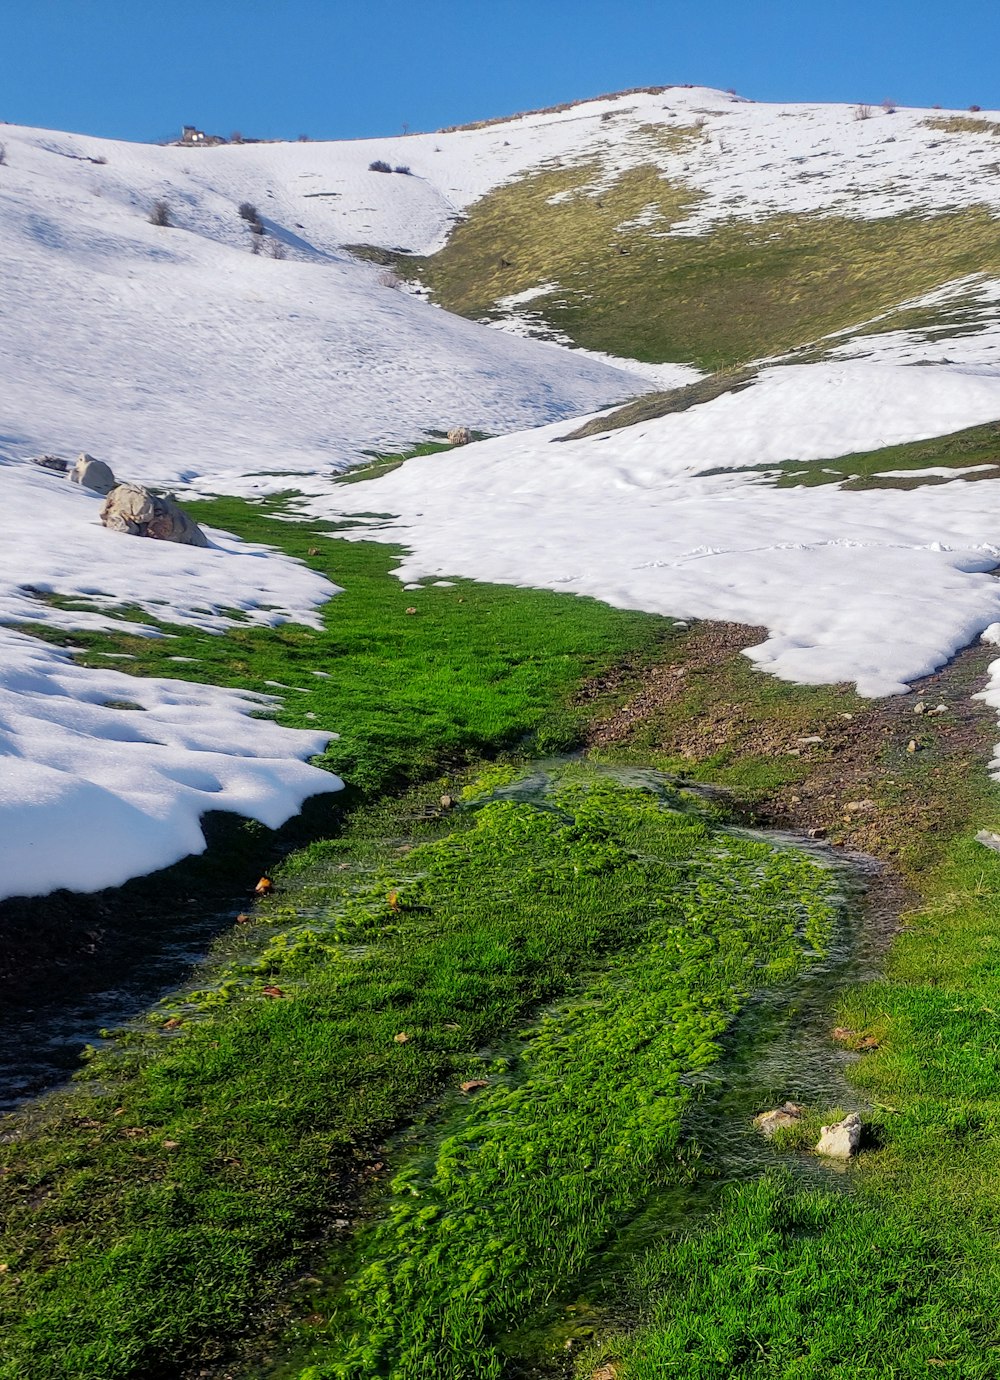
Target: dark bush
[(403, 169), (379, 165), (160, 213)]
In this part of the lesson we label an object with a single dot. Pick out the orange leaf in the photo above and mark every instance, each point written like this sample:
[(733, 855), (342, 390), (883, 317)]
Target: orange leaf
[(264, 886), (473, 1084), (272, 992)]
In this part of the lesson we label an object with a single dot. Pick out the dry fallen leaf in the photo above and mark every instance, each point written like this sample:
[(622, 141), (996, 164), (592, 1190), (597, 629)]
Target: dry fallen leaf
[(271, 991), (171, 1144), (264, 886), (605, 1373), (401, 1038), (843, 1032), (473, 1084), (393, 899), (242, 918), (173, 1023), (411, 609), (313, 551)]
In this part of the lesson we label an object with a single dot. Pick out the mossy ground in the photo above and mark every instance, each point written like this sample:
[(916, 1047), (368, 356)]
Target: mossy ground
[(148, 1214)]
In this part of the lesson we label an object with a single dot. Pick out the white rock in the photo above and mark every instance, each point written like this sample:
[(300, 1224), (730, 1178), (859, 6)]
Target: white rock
[(93, 474), (841, 1140)]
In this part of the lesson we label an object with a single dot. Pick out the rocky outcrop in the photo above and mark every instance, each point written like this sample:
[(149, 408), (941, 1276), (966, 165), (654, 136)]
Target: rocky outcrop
[(52, 462), (93, 474), (459, 436), (132, 509)]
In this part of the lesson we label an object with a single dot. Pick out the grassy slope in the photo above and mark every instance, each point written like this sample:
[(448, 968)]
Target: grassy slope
[(572, 1132), (732, 295), (475, 668), (976, 445), (150, 1213)]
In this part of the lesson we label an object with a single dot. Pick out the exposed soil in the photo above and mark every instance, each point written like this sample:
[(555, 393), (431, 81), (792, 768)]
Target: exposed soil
[(862, 787)]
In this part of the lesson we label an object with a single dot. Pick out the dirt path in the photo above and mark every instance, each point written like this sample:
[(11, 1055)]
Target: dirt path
[(857, 783)]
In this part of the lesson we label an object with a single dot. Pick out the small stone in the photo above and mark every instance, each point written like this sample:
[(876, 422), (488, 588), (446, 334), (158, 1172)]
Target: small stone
[(848, 717), (171, 1144), (841, 1140), (809, 739), (816, 833), (938, 709), (52, 462), (989, 839), (788, 1114), (447, 802), (919, 708), (911, 745), (859, 807), (411, 609), (402, 1038), (459, 436)]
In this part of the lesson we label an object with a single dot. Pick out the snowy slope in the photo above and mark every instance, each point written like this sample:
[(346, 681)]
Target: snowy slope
[(180, 358), (872, 587)]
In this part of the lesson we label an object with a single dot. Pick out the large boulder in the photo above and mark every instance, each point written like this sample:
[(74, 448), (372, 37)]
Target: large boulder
[(93, 474), (132, 509)]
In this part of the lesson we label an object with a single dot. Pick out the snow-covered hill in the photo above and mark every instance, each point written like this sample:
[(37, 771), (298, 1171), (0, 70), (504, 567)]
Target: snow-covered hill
[(181, 358)]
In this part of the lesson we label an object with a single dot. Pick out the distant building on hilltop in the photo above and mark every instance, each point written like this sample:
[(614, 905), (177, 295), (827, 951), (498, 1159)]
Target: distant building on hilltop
[(190, 136)]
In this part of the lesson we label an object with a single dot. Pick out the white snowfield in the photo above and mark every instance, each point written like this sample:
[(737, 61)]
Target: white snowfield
[(182, 359), (874, 587), (91, 794)]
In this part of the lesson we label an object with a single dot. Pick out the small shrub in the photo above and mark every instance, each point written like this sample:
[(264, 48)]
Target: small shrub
[(403, 169), (862, 112), (379, 165), (388, 279), (248, 211), (975, 109), (3, 154), (236, 137), (160, 213), (276, 249), (889, 107)]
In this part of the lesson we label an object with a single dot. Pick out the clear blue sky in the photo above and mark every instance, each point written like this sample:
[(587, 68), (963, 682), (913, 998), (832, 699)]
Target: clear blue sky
[(138, 69)]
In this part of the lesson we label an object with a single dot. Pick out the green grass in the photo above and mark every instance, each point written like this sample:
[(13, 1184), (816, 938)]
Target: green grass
[(976, 445), (153, 1207), (475, 669), (738, 292), (580, 1123)]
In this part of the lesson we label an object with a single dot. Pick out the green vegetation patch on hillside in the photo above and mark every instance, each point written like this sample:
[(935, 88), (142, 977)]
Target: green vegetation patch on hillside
[(723, 297), (574, 1126), (151, 1207), (473, 669), (880, 469)]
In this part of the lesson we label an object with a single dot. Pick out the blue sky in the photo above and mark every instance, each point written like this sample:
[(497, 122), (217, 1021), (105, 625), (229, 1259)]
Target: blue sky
[(138, 69)]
